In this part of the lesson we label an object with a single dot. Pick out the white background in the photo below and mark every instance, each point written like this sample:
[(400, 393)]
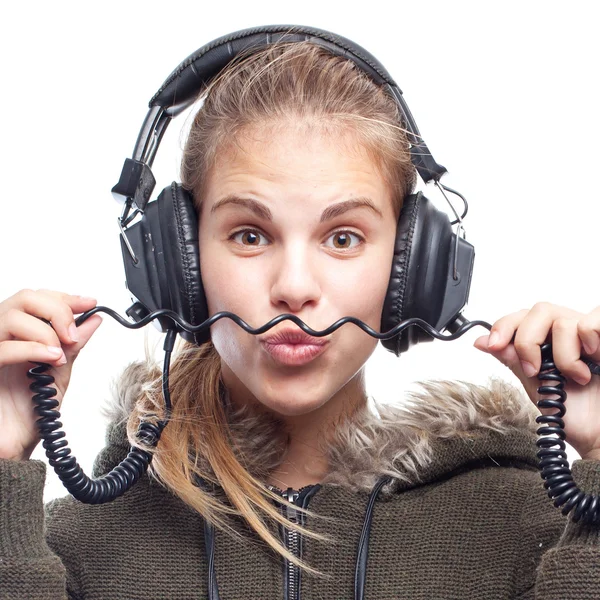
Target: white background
[(506, 95)]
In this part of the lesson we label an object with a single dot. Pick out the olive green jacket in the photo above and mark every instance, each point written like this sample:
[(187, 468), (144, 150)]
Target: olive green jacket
[(462, 514)]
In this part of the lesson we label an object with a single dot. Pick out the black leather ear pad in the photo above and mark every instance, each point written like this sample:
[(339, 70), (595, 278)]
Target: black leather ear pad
[(179, 233), (420, 267), (419, 272)]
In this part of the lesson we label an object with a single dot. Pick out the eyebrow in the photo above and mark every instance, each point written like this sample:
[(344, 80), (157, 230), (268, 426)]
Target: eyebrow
[(332, 211)]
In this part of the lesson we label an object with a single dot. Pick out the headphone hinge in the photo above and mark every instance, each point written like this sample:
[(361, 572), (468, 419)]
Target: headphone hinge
[(135, 183)]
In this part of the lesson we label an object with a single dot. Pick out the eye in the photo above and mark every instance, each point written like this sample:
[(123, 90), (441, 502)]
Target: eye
[(345, 239), (252, 237)]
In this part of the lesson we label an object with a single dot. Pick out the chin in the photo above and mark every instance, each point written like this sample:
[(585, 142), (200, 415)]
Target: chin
[(291, 407)]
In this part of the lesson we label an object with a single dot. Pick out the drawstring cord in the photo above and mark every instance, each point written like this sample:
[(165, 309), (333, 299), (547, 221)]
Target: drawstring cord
[(361, 560), (360, 571), (209, 543)]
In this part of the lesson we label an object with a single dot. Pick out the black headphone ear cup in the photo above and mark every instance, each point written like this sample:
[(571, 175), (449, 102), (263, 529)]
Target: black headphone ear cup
[(179, 232), (419, 275)]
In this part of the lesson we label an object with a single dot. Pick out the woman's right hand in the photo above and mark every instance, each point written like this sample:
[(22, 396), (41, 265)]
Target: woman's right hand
[(24, 337)]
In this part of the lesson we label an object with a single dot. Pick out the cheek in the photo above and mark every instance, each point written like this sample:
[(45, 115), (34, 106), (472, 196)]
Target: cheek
[(219, 293), (221, 281), (229, 288), (360, 290)]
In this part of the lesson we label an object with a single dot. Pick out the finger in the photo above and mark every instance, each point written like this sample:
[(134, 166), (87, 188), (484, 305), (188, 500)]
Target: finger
[(68, 298), (85, 330), (566, 350), (13, 352), (57, 307), (17, 325), (589, 333), (78, 304), (533, 332), (481, 343), (503, 329), (15, 300)]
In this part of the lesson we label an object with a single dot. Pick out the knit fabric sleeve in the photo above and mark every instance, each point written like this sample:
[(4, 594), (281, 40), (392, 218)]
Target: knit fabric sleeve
[(29, 568), (569, 567)]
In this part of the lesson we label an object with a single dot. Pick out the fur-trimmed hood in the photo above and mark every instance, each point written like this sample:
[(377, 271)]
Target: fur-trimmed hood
[(442, 427)]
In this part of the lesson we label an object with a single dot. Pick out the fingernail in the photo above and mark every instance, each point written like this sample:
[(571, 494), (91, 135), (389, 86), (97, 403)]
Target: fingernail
[(494, 337), (528, 368), (580, 380), (63, 360), (589, 349), (54, 350), (73, 334)]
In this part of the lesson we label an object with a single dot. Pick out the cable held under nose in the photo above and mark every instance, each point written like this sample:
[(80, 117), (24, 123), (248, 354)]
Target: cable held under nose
[(553, 464)]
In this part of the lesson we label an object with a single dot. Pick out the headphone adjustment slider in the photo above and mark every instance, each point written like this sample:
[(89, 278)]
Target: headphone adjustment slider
[(126, 240), (135, 184)]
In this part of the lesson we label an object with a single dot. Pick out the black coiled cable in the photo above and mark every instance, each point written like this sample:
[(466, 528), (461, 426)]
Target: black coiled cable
[(553, 465), (127, 472)]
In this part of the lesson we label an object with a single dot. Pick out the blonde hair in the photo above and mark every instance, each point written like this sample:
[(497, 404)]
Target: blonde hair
[(283, 82)]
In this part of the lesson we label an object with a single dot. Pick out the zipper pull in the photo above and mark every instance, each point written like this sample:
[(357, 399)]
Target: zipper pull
[(291, 495)]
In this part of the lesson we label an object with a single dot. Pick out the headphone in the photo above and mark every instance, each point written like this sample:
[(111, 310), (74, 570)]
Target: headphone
[(432, 265), (429, 280)]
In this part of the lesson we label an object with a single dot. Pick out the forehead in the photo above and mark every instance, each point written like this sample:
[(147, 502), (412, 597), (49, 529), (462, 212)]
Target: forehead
[(305, 160)]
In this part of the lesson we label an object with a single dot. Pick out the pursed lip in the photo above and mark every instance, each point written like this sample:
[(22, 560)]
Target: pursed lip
[(293, 347), (293, 335)]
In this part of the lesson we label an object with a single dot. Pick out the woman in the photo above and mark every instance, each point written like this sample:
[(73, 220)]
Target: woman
[(444, 499)]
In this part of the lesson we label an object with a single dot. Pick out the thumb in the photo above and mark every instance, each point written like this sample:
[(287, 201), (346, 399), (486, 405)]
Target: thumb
[(507, 356), (85, 332), (481, 343)]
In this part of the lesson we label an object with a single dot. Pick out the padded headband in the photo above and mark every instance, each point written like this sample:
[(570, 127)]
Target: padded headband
[(191, 76), (182, 86)]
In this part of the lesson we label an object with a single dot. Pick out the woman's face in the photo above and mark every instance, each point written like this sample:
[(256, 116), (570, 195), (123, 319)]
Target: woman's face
[(278, 246)]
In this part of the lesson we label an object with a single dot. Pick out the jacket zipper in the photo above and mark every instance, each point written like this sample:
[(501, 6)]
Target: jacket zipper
[(293, 545), (292, 540)]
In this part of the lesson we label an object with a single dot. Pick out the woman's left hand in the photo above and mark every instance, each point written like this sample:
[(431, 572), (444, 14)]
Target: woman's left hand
[(572, 334)]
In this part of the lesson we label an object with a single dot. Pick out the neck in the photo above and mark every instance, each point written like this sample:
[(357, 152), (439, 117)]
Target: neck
[(305, 460)]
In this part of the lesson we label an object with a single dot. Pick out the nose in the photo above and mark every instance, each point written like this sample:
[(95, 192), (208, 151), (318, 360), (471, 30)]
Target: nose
[(295, 279)]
